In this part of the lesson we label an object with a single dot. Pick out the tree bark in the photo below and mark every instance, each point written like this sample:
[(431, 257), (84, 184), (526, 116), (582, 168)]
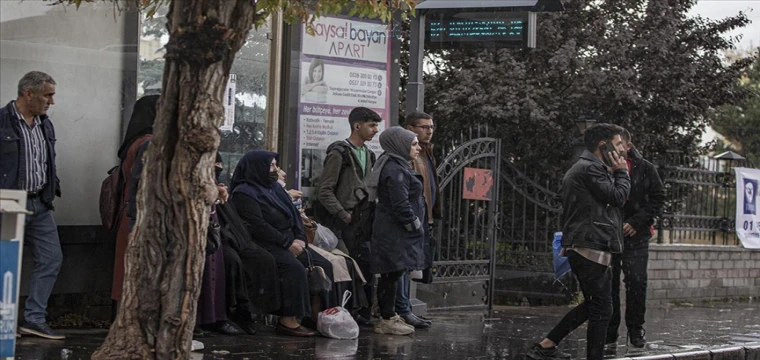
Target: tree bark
[(166, 253)]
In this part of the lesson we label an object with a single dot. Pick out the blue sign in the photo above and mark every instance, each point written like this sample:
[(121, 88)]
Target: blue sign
[(9, 251)]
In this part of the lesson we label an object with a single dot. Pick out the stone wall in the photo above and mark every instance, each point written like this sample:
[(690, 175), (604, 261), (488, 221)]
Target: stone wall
[(692, 273)]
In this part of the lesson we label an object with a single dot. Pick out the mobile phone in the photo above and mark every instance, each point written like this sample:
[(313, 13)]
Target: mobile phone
[(606, 149)]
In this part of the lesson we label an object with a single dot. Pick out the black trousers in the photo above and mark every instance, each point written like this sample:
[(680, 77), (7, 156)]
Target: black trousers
[(386, 293), (354, 239), (595, 282), (294, 285), (633, 264)]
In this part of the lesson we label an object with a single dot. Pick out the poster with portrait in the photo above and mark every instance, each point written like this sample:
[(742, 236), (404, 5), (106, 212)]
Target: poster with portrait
[(747, 212), (343, 65)]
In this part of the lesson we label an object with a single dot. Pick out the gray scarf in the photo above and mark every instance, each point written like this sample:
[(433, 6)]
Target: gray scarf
[(396, 142)]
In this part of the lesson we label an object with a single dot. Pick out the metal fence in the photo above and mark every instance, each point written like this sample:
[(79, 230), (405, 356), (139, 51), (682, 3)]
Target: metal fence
[(701, 200)]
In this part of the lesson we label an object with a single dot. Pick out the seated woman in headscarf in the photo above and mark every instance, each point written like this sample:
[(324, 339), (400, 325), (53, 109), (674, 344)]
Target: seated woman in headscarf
[(275, 225), (139, 131), (398, 234), (251, 279)]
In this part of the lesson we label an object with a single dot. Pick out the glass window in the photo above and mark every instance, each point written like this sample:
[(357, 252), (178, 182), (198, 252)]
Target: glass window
[(89, 53), (249, 81)]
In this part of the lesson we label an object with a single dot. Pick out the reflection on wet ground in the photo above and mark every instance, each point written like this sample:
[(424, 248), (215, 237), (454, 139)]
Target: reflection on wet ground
[(503, 334)]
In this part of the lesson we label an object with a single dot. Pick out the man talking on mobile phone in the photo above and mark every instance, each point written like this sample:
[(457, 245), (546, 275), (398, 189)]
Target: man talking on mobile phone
[(594, 191)]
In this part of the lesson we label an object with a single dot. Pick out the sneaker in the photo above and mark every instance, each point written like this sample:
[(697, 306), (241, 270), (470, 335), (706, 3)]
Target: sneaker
[(637, 337), (42, 330), (394, 326), (537, 352), (610, 349)]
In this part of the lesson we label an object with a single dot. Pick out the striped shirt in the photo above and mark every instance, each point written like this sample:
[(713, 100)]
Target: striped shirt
[(35, 152)]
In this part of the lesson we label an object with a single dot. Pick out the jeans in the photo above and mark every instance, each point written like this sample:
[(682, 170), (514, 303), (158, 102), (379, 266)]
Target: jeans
[(633, 264), (386, 293), (595, 282), (41, 234), (403, 306)]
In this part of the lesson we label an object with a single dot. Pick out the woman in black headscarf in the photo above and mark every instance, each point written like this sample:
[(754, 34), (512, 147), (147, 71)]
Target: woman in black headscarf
[(251, 279), (139, 131), (275, 225), (398, 234)]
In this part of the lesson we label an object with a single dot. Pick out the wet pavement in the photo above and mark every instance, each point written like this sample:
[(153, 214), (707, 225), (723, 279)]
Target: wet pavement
[(503, 334)]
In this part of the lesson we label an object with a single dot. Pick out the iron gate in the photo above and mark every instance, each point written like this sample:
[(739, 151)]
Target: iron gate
[(464, 264)]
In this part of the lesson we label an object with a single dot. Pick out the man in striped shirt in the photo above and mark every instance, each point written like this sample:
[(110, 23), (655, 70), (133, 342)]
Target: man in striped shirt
[(27, 162)]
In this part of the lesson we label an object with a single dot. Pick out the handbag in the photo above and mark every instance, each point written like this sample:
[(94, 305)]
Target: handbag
[(319, 283), (214, 234)]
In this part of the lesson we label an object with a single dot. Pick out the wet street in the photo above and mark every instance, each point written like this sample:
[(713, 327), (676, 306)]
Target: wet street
[(503, 334)]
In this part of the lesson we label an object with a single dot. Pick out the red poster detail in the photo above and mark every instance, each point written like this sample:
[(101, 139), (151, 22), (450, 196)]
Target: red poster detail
[(478, 184)]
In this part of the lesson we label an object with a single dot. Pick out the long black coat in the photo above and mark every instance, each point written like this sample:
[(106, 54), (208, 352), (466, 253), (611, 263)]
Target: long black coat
[(398, 230)]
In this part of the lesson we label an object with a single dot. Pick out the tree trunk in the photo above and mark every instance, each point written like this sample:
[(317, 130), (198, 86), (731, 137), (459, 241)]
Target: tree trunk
[(166, 253)]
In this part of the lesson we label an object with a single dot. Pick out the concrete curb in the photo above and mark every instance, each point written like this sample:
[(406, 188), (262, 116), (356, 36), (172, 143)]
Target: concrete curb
[(749, 351)]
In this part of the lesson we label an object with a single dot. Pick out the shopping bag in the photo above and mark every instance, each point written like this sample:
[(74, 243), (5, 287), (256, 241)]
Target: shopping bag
[(337, 322)]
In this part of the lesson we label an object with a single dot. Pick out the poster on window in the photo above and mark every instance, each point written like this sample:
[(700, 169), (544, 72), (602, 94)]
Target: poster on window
[(229, 103), (345, 64), (747, 212)]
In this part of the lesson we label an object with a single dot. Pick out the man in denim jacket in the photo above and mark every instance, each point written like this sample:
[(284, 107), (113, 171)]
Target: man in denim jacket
[(27, 162)]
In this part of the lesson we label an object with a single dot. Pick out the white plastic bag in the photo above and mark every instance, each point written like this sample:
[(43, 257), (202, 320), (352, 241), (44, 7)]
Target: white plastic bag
[(325, 239), (337, 322)]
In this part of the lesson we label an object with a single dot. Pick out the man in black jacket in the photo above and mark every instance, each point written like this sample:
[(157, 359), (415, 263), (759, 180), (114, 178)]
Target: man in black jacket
[(593, 192), (27, 162), (644, 204)]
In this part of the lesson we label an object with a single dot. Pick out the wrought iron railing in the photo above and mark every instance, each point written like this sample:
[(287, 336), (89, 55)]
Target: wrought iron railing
[(701, 200)]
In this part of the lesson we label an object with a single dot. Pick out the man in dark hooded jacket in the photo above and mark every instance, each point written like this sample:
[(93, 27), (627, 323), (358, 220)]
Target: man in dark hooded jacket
[(342, 192), (643, 206)]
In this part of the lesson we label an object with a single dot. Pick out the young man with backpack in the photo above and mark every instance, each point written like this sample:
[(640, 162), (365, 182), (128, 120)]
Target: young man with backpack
[(342, 193)]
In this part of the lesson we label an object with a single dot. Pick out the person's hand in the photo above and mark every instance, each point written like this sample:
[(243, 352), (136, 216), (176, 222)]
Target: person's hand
[(297, 247), (618, 162), (628, 230), (347, 219), (295, 194), (223, 193)]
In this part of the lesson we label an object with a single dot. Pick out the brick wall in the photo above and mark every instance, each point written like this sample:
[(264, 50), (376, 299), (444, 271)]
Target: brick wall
[(702, 272)]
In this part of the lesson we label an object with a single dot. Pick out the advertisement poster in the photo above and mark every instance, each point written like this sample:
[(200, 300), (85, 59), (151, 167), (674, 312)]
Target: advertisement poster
[(747, 212), (229, 104), (344, 65)]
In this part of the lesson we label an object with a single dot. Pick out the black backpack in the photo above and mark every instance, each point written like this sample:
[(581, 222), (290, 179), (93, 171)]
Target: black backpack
[(320, 212)]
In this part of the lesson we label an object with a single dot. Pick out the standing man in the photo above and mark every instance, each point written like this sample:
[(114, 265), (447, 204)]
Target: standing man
[(644, 204), (593, 194), (27, 145), (342, 193), (422, 124)]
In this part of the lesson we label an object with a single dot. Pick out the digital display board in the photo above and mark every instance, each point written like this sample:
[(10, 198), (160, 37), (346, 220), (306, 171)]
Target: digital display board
[(448, 30)]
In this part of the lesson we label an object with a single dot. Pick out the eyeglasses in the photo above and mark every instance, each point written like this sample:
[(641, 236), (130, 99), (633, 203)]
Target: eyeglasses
[(425, 127)]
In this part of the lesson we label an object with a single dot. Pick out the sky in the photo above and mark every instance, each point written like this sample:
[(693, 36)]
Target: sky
[(718, 9)]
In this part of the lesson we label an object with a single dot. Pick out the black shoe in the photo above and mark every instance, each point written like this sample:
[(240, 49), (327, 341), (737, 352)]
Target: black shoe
[(42, 330), (610, 349), (362, 321), (637, 337), (248, 327), (415, 321), (540, 353), (227, 328)]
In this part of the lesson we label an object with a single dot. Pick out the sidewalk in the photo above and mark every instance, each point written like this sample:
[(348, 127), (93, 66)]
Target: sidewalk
[(504, 334)]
